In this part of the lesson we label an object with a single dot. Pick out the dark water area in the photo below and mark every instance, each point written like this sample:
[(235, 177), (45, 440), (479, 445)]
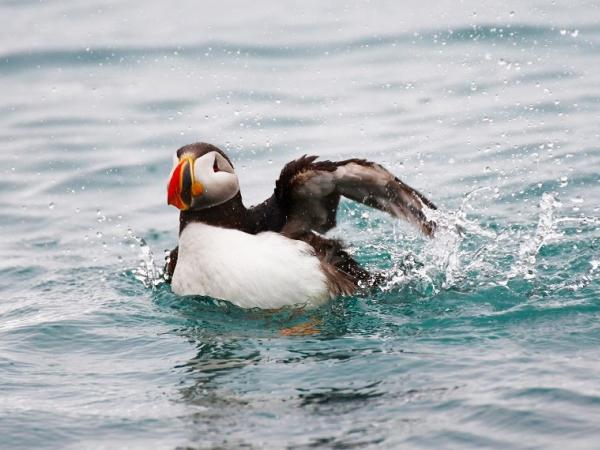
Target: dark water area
[(487, 338)]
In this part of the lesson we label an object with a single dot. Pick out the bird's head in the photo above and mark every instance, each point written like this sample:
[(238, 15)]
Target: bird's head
[(202, 177)]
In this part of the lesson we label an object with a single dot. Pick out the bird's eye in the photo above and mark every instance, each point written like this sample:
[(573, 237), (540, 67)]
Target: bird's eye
[(216, 166)]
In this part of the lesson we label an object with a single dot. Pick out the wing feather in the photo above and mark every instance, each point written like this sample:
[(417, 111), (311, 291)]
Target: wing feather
[(310, 191)]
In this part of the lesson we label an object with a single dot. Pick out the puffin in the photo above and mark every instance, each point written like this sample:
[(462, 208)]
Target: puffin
[(276, 254)]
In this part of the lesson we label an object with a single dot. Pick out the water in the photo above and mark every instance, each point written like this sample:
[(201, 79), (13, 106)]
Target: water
[(485, 337)]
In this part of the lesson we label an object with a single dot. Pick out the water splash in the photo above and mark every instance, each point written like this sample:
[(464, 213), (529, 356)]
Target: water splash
[(530, 247), (465, 254), (440, 264), (147, 272), (587, 278)]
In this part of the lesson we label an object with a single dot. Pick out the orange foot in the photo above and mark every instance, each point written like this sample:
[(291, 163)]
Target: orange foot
[(304, 329)]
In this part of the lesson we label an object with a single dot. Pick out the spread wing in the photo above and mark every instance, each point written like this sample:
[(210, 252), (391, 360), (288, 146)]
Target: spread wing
[(309, 191)]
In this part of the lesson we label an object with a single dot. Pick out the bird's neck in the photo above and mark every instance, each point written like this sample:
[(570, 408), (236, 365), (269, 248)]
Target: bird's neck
[(231, 214)]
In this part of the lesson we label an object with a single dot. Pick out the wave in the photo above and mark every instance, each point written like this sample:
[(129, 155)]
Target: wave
[(523, 34)]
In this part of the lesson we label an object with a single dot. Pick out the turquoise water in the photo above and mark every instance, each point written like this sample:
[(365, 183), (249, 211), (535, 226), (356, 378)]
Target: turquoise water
[(489, 339)]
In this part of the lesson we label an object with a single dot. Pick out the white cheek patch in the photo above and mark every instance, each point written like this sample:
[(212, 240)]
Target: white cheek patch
[(203, 168), (218, 186)]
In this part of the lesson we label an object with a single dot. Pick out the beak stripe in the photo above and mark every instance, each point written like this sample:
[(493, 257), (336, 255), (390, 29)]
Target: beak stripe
[(185, 191), (182, 186)]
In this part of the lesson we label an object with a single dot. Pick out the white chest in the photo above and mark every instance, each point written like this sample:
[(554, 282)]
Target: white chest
[(266, 270)]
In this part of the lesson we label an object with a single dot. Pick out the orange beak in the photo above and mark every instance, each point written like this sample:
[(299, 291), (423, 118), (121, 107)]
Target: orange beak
[(182, 186)]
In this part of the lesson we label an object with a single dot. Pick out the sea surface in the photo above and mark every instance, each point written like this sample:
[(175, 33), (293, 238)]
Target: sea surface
[(487, 337)]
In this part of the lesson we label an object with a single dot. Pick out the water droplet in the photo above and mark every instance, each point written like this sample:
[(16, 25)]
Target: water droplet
[(511, 14), (51, 205), (575, 33), (99, 234), (564, 181)]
